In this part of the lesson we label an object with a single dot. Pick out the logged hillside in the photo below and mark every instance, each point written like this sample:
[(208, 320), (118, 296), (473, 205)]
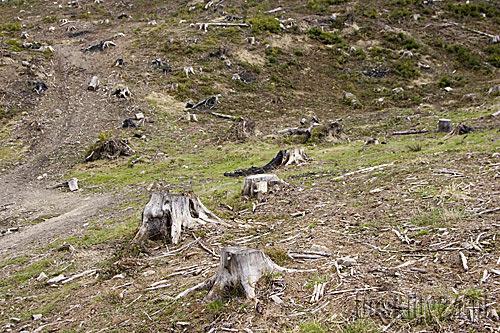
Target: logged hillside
[(386, 214)]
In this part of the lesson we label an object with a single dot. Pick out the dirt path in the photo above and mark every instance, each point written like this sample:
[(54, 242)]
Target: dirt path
[(56, 213)]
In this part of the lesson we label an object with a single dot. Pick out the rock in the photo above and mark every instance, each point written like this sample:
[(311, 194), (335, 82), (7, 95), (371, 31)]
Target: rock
[(66, 248), (276, 299), (495, 90), (57, 279), (42, 277), (448, 89), (139, 116), (73, 184), (36, 316), (320, 248), (398, 90), (495, 39), (148, 273), (347, 261)]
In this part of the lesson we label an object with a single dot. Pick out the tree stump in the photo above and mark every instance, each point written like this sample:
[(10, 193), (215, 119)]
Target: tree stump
[(109, 149), (240, 269), (166, 215), (256, 185), (283, 158), (93, 84), (444, 125)]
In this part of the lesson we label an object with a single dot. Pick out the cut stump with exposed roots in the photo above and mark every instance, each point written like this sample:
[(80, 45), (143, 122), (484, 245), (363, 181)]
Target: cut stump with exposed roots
[(283, 158), (166, 215), (239, 271), (255, 186), (109, 149)]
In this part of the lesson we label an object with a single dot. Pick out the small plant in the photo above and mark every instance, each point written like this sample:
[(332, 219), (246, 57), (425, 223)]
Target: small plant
[(415, 147), (312, 327), (473, 294), (278, 255), (473, 9), (326, 37), (407, 69), (493, 52), (403, 40), (316, 279), (15, 45), (321, 6), (429, 312), (264, 23), (361, 326), (216, 306), (464, 55), (10, 26)]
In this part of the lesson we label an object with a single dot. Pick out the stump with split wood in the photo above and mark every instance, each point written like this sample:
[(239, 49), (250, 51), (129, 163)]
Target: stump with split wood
[(166, 215), (109, 149), (257, 185), (239, 270), (444, 125), (283, 158)]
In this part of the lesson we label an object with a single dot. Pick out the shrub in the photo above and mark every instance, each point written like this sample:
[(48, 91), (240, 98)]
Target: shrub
[(264, 23), (312, 327), (326, 37), (403, 40), (10, 26), (473, 9), (493, 52), (407, 69), (322, 5), (464, 55)]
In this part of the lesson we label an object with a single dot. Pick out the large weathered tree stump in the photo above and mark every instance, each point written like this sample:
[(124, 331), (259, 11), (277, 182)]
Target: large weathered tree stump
[(283, 158), (239, 270), (257, 185), (444, 125), (109, 149), (166, 215)]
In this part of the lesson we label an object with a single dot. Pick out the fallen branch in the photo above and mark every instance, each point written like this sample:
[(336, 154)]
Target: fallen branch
[(365, 170), (410, 132)]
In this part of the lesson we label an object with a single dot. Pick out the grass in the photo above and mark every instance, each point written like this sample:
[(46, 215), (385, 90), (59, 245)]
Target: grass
[(278, 255), (312, 327), (429, 313), (326, 37), (361, 326), (464, 55), (264, 23), (437, 217), (11, 26), (321, 6)]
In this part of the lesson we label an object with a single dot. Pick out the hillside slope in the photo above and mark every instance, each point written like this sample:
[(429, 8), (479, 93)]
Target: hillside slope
[(377, 67)]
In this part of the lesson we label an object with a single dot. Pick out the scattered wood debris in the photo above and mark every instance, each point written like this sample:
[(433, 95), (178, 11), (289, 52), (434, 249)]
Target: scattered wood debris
[(62, 279)]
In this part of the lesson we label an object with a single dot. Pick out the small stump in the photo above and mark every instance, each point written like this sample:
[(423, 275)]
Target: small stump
[(240, 269), (444, 125), (255, 186), (166, 215)]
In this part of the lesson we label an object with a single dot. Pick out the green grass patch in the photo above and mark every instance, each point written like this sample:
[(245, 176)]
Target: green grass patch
[(326, 37), (312, 327), (321, 6), (362, 325), (264, 23), (10, 26)]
